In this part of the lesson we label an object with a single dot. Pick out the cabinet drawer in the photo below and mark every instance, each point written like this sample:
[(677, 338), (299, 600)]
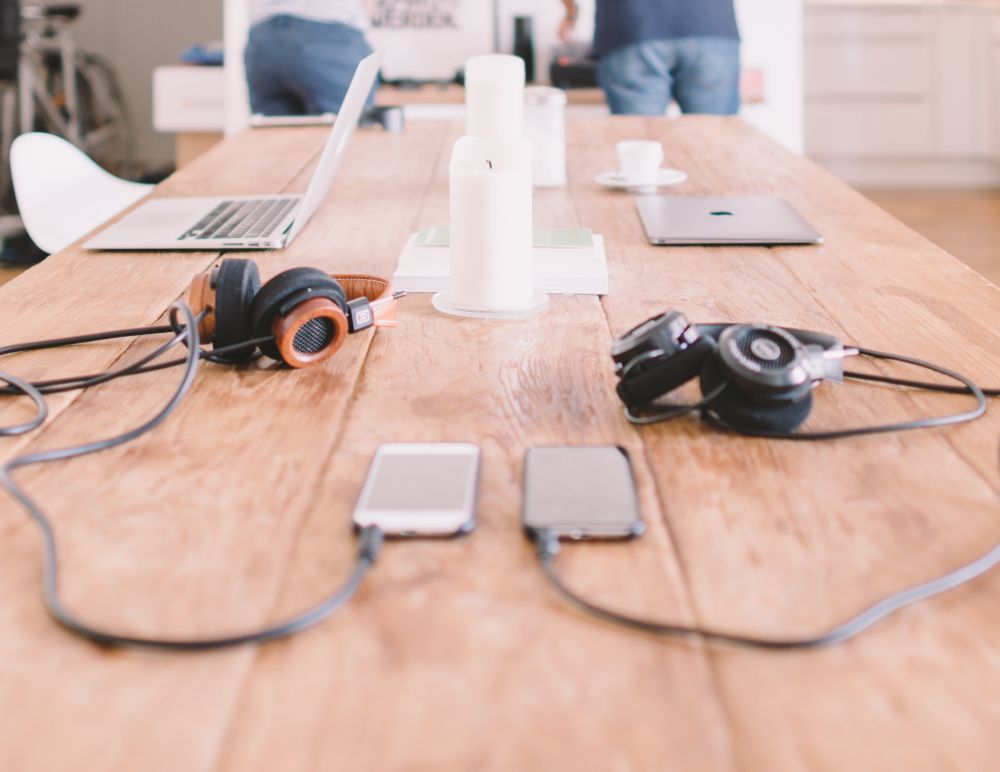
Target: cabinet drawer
[(868, 68), (996, 99), (872, 129), (886, 23)]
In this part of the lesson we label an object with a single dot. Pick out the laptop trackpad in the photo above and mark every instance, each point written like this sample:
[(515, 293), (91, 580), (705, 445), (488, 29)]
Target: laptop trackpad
[(172, 215)]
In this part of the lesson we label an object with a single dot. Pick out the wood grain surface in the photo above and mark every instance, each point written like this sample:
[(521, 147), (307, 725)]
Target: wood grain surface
[(456, 655)]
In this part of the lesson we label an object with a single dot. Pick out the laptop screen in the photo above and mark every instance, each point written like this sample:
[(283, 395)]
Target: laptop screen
[(333, 153)]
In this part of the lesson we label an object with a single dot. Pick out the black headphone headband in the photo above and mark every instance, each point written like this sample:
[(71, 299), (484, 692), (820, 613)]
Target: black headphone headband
[(806, 337)]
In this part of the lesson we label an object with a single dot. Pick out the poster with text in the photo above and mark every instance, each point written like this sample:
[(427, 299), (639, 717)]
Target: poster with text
[(430, 39)]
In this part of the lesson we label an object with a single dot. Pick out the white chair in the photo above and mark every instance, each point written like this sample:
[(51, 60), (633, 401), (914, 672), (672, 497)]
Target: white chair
[(61, 194)]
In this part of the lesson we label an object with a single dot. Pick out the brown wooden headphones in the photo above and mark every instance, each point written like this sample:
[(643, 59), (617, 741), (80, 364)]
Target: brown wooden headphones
[(300, 317)]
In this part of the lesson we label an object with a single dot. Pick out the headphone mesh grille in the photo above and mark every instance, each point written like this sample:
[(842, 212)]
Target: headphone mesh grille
[(314, 336), (749, 342)]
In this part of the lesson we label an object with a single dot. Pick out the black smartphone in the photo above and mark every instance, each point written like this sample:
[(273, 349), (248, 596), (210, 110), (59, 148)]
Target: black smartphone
[(581, 492)]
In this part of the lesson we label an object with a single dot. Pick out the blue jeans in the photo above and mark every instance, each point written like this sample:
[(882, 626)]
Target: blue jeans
[(296, 66), (701, 74)]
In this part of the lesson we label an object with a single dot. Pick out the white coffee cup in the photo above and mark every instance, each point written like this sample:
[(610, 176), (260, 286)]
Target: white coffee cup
[(640, 161)]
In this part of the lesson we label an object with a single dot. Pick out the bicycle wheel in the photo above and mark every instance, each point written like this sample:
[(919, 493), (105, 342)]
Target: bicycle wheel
[(105, 128)]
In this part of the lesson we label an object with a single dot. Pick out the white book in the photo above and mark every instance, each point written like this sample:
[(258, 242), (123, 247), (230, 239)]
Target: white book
[(558, 270)]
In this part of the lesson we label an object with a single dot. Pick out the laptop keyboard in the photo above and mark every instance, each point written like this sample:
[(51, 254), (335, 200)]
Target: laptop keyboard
[(242, 219)]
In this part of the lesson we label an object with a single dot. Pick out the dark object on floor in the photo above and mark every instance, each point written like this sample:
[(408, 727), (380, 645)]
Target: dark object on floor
[(20, 250), (154, 175), (573, 66), (389, 117)]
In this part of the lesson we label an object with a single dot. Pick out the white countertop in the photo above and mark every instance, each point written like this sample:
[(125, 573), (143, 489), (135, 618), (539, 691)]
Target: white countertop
[(905, 3)]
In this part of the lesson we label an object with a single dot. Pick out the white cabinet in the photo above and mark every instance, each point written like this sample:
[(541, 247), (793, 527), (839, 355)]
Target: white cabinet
[(904, 94), (996, 85)]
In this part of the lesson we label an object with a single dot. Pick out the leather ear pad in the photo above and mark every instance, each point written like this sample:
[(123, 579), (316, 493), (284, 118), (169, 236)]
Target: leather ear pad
[(236, 284), (741, 411), (273, 295), (666, 375)]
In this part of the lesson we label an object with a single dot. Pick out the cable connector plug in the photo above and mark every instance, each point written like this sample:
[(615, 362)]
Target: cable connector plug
[(370, 543), (360, 314), (546, 544)]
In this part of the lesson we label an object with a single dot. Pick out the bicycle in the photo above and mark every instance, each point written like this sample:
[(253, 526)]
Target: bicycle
[(70, 92)]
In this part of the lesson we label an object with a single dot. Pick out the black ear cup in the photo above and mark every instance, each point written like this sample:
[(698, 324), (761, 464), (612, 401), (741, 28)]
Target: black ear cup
[(236, 282), (766, 361), (741, 409), (318, 334), (665, 374), (666, 333)]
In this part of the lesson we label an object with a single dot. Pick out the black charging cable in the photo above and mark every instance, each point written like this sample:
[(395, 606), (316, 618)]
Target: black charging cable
[(547, 548), (657, 413), (185, 331)]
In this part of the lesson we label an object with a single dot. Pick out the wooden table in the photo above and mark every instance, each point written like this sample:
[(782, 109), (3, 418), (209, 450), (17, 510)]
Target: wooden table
[(453, 94), (457, 655)]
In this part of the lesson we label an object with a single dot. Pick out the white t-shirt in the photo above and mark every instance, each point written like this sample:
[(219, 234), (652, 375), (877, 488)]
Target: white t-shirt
[(349, 12)]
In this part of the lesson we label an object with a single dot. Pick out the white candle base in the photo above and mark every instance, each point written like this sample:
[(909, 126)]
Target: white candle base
[(539, 303)]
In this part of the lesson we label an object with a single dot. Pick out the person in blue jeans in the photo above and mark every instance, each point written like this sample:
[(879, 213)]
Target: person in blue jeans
[(652, 52), (301, 54)]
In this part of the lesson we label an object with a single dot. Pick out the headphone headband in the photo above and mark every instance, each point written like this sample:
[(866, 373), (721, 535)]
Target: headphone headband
[(832, 364), (806, 337), (362, 288)]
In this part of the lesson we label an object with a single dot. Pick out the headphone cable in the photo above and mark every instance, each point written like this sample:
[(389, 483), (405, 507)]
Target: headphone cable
[(370, 538), (547, 547), (667, 413), (922, 385), (969, 387), (38, 345), (73, 383)]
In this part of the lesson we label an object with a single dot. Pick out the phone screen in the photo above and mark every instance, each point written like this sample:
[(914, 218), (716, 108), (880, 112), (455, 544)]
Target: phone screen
[(421, 489), (581, 492)]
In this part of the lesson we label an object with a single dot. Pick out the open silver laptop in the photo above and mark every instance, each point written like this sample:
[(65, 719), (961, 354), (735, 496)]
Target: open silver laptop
[(242, 222), (679, 220)]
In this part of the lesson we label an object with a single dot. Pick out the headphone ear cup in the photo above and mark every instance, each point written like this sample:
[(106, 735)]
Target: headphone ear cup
[(666, 375), (741, 411), (329, 320), (236, 284)]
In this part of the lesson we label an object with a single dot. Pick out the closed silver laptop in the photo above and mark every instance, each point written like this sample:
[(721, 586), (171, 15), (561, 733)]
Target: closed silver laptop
[(681, 220), (241, 222)]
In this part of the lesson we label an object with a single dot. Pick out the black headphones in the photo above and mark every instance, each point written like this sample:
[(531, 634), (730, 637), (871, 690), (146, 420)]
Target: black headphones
[(754, 378)]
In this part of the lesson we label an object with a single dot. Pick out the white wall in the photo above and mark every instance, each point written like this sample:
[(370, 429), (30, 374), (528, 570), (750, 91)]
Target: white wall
[(772, 41), (137, 36), (236, 25)]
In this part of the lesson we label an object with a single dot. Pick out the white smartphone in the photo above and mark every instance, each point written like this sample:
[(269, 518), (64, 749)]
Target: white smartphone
[(425, 489)]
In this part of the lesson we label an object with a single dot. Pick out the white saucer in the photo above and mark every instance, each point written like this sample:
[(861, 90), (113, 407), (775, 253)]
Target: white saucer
[(615, 179), (539, 302)]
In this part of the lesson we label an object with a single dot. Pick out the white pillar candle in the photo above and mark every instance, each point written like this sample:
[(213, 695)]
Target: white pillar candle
[(494, 97), (491, 236)]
